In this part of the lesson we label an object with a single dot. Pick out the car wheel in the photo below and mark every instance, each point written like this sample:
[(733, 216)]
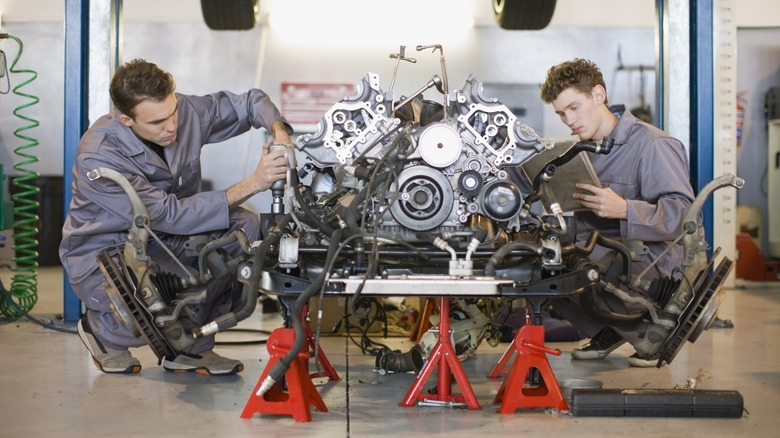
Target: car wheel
[(230, 14), (523, 14)]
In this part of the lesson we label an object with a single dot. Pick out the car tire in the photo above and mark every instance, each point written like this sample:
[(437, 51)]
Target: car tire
[(523, 14), (230, 14)]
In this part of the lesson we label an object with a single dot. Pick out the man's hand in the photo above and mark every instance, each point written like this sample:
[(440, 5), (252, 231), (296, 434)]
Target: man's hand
[(603, 202), (271, 168)]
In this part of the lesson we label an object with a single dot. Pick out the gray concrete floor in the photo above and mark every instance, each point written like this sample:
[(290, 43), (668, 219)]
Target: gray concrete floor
[(51, 388)]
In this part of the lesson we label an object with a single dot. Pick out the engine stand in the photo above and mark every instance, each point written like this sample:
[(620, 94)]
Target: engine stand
[(531, 354), (311, 341), (300, 392), (444, 357)]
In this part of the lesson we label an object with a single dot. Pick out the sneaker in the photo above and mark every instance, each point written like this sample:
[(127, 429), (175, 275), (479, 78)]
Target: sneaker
[(600, 345), (207, 363), (635, 361), (105, 358)]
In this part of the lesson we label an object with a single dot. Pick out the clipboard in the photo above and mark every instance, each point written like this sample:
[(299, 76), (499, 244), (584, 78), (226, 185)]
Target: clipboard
[(578, 170)]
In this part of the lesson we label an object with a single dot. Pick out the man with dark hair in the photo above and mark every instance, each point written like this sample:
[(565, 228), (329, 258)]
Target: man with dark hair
[(645, 191), (154, 138)]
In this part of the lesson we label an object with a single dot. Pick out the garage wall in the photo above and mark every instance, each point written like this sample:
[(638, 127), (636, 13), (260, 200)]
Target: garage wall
[(203, 61), (758, 70)]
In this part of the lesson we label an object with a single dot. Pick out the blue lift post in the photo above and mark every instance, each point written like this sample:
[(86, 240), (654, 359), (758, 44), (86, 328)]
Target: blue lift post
[(702, 103), (76, 110)]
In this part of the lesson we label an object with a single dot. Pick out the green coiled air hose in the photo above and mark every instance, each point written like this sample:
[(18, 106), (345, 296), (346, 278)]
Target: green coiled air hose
[(24, 283)]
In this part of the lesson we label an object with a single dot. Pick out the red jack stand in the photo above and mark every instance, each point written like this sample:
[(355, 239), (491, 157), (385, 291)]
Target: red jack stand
[(503, 361), (300, 390), (327, 369), (442, 355), (529, 343)]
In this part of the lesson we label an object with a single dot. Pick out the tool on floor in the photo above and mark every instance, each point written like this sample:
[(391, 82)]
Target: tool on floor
[(696, 403)]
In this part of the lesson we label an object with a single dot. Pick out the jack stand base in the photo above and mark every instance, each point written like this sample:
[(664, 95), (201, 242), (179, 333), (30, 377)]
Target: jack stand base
[(442, 355), (311, 342), (300, 391), (531, 354)]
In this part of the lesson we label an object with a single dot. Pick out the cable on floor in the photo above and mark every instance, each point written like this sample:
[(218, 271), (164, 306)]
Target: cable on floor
[(24, 313)]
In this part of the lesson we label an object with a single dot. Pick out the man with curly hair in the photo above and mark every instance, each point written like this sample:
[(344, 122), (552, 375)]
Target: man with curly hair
[(645, 191)]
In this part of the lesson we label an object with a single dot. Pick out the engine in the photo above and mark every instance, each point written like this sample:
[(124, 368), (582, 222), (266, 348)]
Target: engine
[(419, 165)]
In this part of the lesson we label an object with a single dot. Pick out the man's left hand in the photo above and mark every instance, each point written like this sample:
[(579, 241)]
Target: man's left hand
[(602, 201)]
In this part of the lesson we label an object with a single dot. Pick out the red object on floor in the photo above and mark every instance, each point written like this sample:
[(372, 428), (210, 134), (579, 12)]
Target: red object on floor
[(311, 341), (751, 264), (424, 321), (300, 393), (531, 353), (444, 357)]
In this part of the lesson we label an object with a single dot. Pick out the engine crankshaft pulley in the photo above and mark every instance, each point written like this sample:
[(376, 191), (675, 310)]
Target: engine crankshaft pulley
[(425, 198)]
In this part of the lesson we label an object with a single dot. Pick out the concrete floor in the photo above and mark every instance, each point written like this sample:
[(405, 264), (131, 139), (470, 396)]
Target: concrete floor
[(51, 388)]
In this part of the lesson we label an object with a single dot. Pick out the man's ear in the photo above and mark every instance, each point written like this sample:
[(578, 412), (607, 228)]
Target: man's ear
[(599, 93), (126, 120)]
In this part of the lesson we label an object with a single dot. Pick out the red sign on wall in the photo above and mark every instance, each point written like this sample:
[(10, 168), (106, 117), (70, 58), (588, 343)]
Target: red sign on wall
[(307, 102)]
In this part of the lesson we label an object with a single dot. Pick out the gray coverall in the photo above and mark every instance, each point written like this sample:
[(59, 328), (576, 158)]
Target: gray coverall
[(650, 170), (100, 213)]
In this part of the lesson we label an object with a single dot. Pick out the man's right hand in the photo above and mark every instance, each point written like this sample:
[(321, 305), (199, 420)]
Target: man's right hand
[(271, 168)]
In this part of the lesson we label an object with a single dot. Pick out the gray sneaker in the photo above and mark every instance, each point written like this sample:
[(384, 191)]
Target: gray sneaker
[(105, 358), (207, 363), (600, 345)]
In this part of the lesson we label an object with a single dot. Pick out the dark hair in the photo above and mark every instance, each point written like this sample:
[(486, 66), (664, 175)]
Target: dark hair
[(578, 73), (139, 80)]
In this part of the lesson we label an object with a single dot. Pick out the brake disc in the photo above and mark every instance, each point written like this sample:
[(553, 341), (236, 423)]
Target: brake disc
[(127, 308), (699, 314)]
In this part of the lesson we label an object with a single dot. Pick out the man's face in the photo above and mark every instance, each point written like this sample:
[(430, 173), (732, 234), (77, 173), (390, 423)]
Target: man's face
[(156, 122), (581, 112)]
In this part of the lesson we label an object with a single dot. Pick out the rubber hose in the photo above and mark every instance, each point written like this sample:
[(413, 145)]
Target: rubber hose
[(280, 368), (24, 283)]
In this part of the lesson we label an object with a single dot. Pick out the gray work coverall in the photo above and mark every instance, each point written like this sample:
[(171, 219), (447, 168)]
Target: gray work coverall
[(100, 213), (650, 170)]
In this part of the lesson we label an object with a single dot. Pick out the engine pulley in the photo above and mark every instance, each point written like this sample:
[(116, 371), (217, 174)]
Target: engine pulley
[(440, 145), (501, 200), (470, 182), (425, 198)]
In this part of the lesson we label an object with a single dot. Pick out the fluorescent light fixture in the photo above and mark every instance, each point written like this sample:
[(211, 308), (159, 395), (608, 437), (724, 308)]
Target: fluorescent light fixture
[(368, 22)]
